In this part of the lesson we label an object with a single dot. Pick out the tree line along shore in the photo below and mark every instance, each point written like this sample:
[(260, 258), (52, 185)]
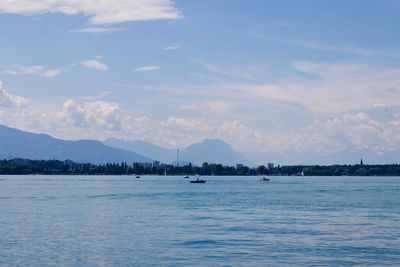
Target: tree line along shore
[(67, 167)]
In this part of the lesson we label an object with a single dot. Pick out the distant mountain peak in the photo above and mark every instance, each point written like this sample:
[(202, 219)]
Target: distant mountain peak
[(213, 151), (211, 142), (214, 141)]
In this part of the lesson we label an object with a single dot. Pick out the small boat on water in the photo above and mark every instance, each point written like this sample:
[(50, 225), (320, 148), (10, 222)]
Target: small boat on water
[(265, 179), (186, 176), (137, 176), (198, 181)]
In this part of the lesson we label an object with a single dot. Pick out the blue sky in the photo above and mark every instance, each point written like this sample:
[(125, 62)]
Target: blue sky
[(271, 78)]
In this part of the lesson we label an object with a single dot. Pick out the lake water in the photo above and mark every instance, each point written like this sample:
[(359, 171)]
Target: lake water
[(229, 221)]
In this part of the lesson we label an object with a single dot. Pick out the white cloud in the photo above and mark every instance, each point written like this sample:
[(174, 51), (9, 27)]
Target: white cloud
[(9, 100), (97, 114), (98, 11), (172, 47), (146, 69), (32, 70), (94, 64), (98, 30)]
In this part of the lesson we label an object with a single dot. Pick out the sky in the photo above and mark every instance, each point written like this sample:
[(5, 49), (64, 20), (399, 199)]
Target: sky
[(273, 79)]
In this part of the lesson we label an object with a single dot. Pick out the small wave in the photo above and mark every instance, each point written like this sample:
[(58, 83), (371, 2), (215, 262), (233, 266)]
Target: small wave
[(323, 191), (204, 242), (113, 196)]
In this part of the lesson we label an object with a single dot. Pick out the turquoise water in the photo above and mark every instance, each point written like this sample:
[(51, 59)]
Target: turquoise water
[(229, 221)]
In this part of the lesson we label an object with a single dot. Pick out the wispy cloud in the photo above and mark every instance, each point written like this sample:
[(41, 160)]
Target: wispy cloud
[(279, 23), (244, 73), (95, 65), (336, 88), (147, 69), (99, 11), (209, 107), (101, 95), (172, 47), (32, 70), (98, 30), (334, 48), (260, 31)]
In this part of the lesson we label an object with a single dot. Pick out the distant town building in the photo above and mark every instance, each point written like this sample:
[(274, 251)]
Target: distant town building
[(177, 157), (147, 164), (156, 163), (270, 166), (143, 164), (239, 165)]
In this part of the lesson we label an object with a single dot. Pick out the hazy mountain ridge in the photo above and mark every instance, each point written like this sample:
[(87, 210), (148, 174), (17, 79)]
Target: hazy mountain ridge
[(20, 144), (209, 150)]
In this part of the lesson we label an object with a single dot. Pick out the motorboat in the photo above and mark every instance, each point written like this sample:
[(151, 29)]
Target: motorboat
[(198, 181)]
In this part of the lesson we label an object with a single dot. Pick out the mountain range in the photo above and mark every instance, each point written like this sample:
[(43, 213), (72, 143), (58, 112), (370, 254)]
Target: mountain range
[(15, 143)]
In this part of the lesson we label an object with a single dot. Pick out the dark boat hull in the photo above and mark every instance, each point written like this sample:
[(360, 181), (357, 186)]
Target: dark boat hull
[(198, 182)]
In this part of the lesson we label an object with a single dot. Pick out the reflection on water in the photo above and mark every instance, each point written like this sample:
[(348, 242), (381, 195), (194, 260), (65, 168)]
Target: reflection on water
[(153, 221)]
